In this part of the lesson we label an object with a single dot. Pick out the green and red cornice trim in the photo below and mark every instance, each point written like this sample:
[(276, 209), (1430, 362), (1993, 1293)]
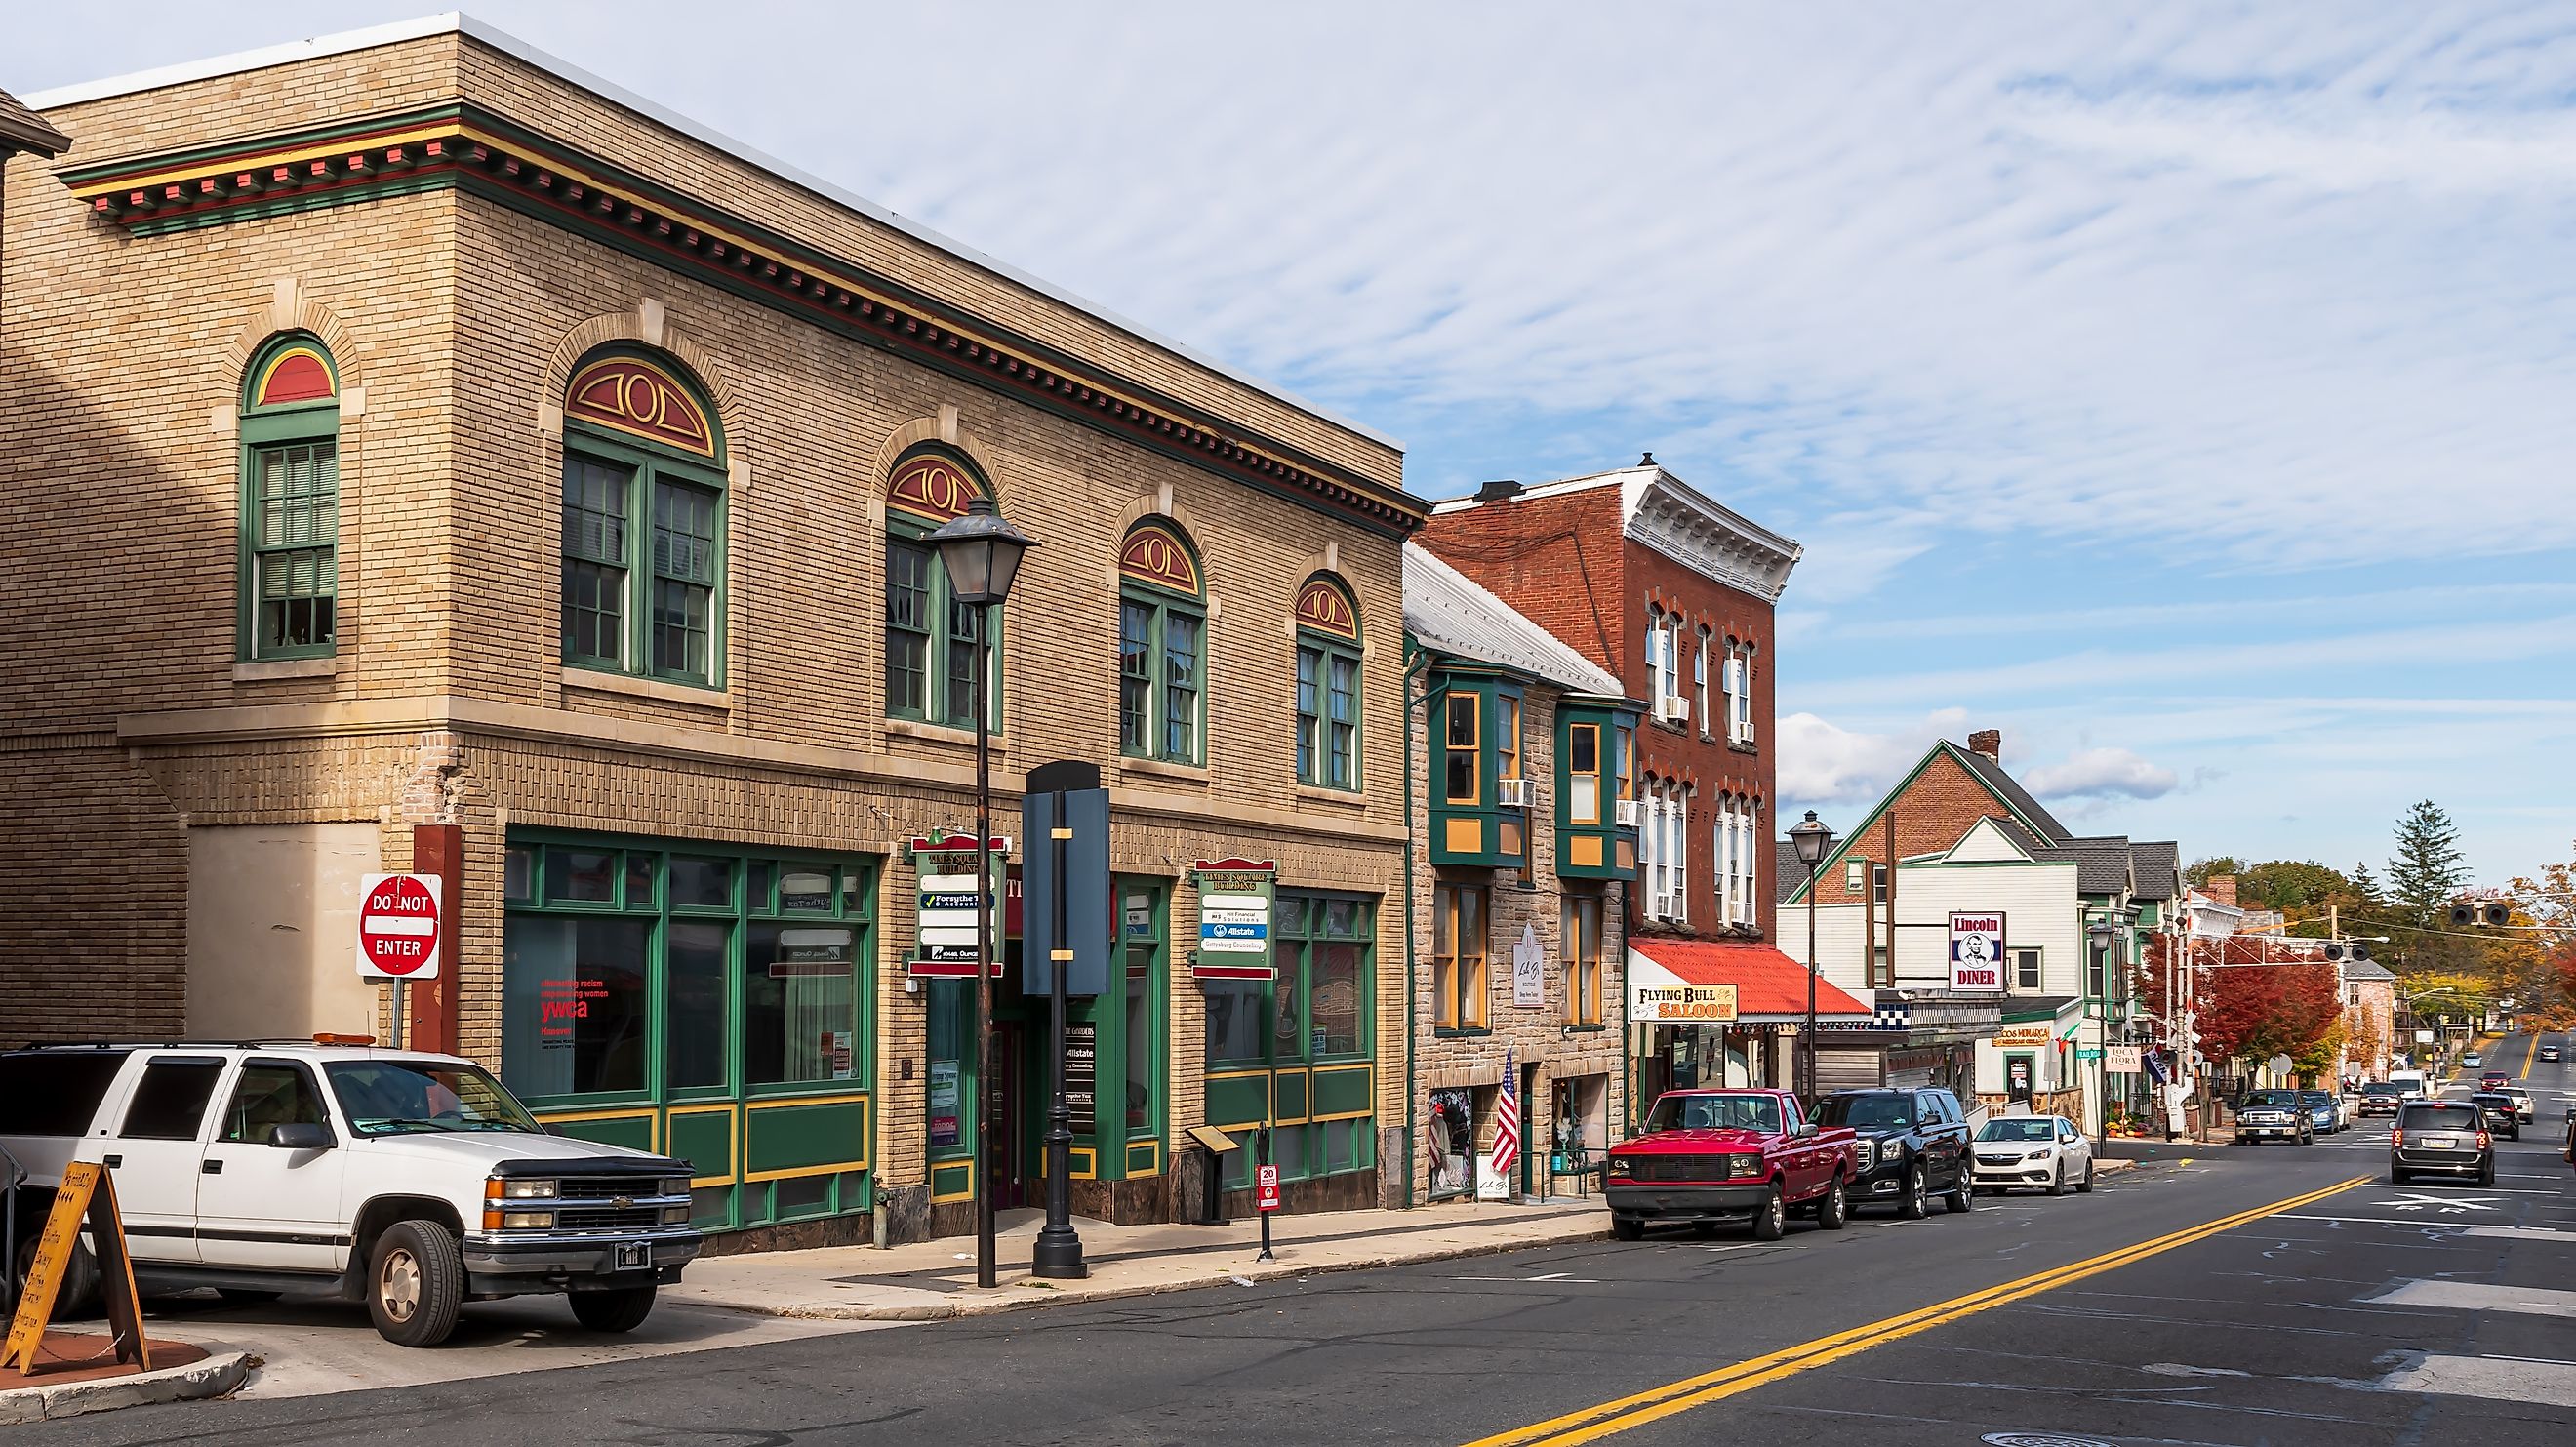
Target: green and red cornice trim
[(465, 146)]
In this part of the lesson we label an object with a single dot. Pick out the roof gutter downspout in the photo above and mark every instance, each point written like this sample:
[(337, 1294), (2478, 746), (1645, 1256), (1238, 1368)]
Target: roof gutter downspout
[(1416, 668)]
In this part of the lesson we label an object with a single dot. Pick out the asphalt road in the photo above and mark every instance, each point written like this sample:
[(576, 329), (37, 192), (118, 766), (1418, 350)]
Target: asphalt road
[(2167, 1307)]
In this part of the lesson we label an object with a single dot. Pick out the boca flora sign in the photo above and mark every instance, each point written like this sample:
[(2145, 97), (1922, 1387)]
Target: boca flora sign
[(1977, 952)]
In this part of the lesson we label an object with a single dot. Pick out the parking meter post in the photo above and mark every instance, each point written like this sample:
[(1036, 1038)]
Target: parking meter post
[(1265, 1215)]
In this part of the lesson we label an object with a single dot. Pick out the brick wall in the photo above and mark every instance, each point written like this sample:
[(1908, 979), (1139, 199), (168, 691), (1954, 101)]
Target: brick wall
[(1940, 805)]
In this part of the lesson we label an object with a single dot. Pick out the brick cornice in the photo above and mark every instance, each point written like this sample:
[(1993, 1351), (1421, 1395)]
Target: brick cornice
[(469, 147)]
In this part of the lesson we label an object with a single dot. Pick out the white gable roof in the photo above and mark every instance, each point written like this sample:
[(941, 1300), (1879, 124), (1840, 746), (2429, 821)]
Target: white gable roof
[(1454, 614)]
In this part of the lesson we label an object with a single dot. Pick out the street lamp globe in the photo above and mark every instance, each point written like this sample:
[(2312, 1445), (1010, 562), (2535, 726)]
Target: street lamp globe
[(982, 552), (1812, 838)]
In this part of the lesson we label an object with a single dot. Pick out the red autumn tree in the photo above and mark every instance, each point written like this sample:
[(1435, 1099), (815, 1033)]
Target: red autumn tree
[(2247, 1000)]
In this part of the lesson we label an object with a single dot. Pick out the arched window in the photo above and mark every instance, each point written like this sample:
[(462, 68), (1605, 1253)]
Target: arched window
[(1162, 645), (931, 639), (290, 535), (643, 522), (1328, 685)]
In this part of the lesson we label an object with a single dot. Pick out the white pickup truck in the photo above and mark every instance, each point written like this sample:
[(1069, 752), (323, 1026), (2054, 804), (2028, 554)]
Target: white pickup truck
[(411, 1181)]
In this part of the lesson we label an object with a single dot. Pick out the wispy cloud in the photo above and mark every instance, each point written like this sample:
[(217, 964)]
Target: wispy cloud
[(2101, 773)]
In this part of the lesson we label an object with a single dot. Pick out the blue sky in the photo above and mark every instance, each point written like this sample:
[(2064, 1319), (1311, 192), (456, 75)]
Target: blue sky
[(2183, 390)]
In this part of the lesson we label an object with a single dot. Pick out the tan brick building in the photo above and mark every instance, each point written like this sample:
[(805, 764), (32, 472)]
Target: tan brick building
[(431, 457), (1524, 843)]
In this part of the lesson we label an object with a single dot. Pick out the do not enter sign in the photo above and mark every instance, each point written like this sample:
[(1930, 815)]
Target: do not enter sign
[(398, 926)]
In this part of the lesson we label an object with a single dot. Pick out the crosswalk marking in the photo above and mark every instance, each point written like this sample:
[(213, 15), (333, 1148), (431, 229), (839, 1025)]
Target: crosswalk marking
[(2479, 1296), (2513, 1379)]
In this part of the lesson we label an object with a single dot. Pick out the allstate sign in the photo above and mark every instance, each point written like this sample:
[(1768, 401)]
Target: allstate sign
[(1977, 952)]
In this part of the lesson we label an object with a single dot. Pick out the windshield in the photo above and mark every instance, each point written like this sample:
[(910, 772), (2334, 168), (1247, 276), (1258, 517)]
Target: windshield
[(2316, 1097), (1868, 1111), (1716, 1112), (2283, 1098), (2020, 1128), (2379, 1087), (405, 1097)]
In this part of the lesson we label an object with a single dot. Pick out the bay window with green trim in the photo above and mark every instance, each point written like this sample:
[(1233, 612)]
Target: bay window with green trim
[(703, 1001), (289, 576), (1596, 762), (1299, 1049), (643, 557), (1479, 747)]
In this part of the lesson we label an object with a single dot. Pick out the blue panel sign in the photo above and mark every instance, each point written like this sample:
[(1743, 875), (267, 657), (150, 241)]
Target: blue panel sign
[(1089, 933)]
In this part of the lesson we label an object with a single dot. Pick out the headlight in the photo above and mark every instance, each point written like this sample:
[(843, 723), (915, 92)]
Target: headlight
[(2038, 1155), (675, 1186), (528, 1221), (1620, 1166), (528, 1190), (675, 1215), (1864, 1154)]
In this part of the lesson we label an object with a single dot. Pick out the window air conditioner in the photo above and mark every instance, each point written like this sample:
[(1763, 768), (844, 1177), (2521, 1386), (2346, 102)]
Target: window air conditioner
[(1518, 793), (1675, 709), (1632, 813), (1741, 733)]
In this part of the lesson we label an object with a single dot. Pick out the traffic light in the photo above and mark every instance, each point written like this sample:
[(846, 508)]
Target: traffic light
[(2334, 950), (2490, 914), (2497, 915), (2464, 915)]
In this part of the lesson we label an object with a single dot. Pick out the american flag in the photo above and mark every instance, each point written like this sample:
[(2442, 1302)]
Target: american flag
[(1507, 1120)]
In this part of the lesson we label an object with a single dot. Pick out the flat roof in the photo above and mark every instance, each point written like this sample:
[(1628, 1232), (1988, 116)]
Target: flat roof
[(456, 22)]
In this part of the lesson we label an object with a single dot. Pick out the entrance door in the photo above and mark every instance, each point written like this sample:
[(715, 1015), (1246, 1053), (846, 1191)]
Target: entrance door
[(1006, 1111)]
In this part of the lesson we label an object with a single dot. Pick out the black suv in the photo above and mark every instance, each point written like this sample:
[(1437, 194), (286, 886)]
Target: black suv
[(2503, 1117), (2445, 1136), (1912, 1146)]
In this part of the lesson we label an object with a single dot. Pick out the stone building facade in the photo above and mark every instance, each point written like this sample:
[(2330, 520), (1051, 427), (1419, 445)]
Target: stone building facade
[(1523, 853), (531, 488)]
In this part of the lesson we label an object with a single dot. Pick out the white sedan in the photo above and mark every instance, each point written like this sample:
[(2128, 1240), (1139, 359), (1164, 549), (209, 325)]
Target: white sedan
[(2044, 1152)]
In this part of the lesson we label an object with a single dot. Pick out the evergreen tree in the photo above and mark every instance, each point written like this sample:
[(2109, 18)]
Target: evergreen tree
[(2428, 869), (2366, 885)]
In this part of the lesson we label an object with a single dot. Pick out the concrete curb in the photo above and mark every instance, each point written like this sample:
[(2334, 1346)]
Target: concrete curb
[(1026, 1297), (212, 1377)]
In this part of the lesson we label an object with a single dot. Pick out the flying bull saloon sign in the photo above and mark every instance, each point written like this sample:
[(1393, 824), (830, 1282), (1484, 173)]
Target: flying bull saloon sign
[(1977, 952), (1681, 1004)]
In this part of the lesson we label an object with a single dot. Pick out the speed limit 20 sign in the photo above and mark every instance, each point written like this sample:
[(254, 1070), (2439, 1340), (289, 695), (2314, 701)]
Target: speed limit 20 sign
[(398, 924)]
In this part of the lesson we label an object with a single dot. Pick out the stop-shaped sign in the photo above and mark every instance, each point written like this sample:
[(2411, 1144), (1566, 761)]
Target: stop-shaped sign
[(398, 926)]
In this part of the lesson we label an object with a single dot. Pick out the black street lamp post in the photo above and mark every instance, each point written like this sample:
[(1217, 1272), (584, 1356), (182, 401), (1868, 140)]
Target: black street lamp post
[(981, 554), (1813, 841)]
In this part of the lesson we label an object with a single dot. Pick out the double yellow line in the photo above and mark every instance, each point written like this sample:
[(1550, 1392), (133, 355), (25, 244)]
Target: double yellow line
[(1610, 1418)]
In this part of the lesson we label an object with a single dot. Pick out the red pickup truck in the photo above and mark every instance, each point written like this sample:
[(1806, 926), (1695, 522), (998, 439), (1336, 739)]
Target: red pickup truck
[(1707, 1156)]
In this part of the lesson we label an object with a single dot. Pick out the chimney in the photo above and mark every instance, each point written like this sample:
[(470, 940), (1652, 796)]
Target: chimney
[(1647, 461), (2222, 887), (1989, 742), (1498, 491)]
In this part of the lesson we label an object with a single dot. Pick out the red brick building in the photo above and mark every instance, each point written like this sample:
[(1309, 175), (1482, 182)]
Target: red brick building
[(1671, 592)]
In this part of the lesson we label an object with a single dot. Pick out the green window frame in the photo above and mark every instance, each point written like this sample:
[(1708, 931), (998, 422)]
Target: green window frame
[(1461, 931), (727, 1000), (1463, 747), (288, 582), (1144, 1059), (1328, 701), (1162, 672), (931, 638), (643, 559), (1324, 944)]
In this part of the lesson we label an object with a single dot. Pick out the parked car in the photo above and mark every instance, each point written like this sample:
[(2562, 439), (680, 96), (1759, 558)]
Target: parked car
[(2494, 1080), (2499, 1113), (2381, 1097), (2044, 1152), (1712, 1156), (2547, 1053), (2325, 1110), (2273, 1115), (1909, 1146), (2443, 1137), (410, 1181)]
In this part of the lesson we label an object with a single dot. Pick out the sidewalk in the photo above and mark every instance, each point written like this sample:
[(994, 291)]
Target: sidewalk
[(936, 1279)]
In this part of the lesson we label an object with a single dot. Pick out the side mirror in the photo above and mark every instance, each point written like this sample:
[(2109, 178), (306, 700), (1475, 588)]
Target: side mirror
[(301, 1135), (1806, 1128)]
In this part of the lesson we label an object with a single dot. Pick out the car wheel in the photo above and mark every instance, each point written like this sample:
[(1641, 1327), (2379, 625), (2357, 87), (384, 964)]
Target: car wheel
[(619, 1309), (1771, 1219), (2057, 1182), (2086, 1185), (2486, 1175), (2397, 1177), (1627, 1228), (1917, 1204), (415, 1282), (1835, 1209), (1963, 1193)]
